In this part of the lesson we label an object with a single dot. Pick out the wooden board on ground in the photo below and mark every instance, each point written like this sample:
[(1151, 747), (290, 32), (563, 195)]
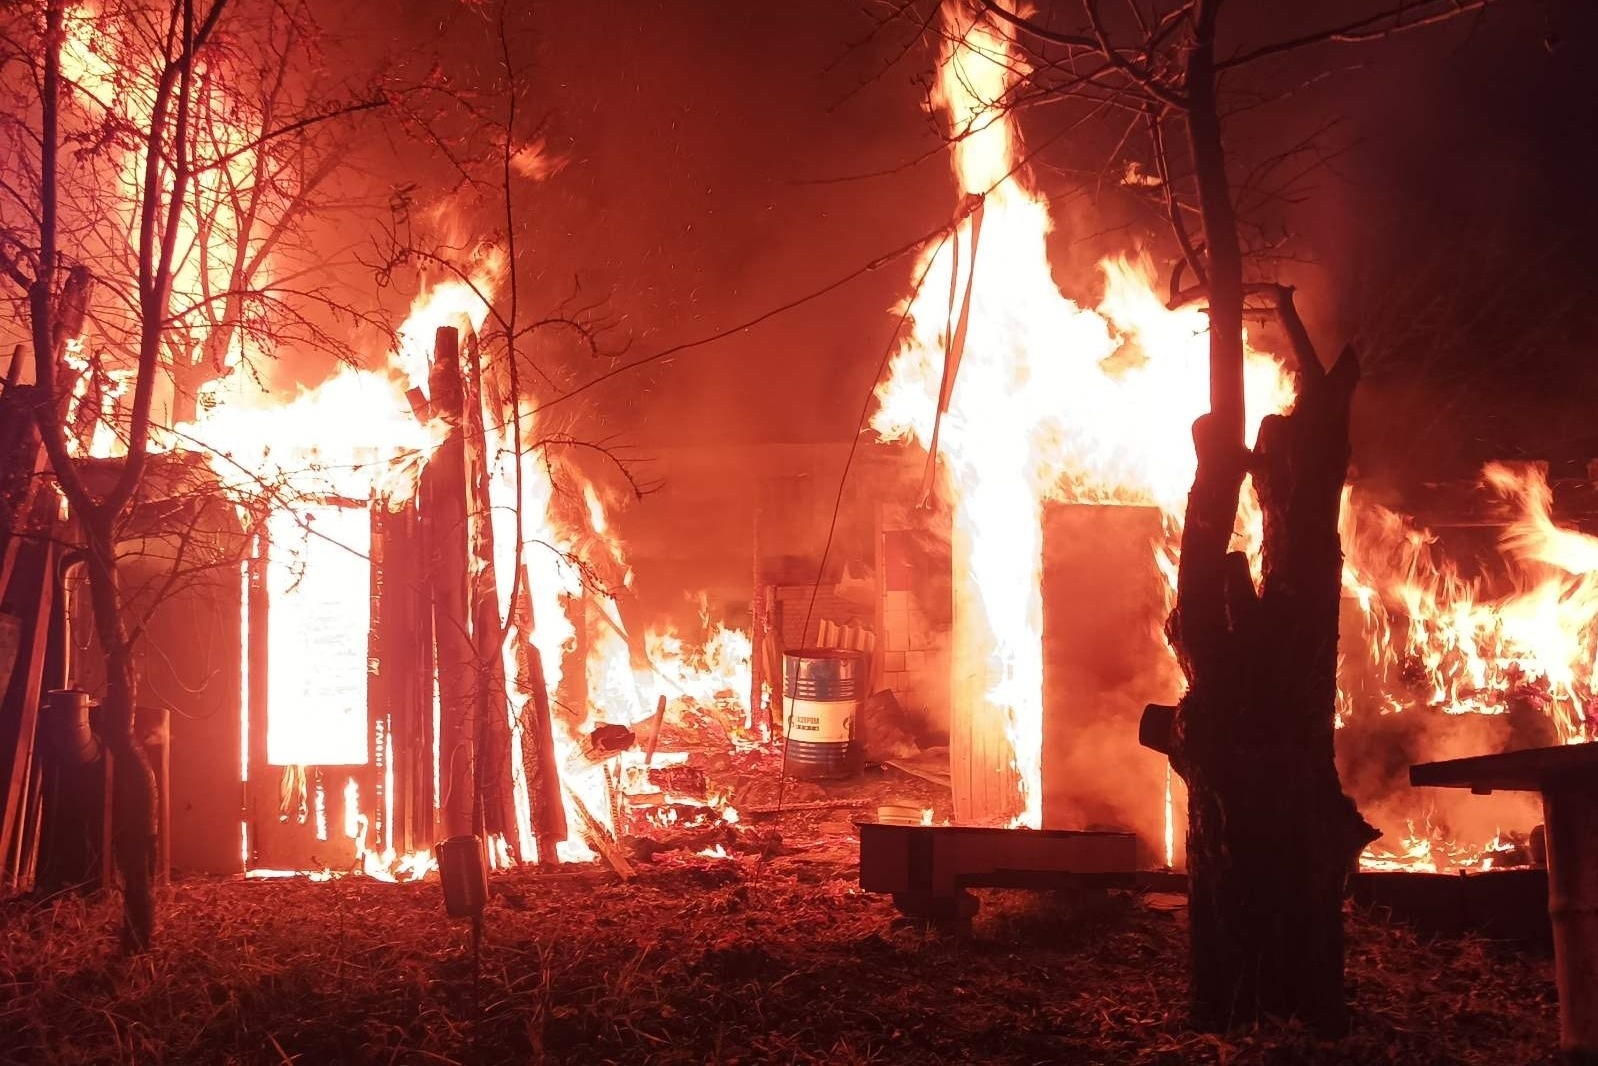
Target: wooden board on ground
[(937, 863)]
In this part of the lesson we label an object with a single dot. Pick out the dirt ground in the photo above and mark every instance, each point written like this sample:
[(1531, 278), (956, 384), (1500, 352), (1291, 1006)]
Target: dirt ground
[(749, 959)]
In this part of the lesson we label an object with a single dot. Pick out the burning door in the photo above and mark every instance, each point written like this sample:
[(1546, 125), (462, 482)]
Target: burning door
[(308, 762)]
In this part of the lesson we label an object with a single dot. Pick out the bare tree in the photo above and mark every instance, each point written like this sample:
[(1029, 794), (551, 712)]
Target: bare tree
[(132, 175)]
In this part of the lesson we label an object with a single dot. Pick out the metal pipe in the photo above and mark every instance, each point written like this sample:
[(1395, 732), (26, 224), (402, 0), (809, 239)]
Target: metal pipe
[(60, 628), (71, 732)]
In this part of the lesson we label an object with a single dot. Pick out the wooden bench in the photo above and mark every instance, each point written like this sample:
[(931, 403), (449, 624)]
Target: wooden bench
[(1567, 778)]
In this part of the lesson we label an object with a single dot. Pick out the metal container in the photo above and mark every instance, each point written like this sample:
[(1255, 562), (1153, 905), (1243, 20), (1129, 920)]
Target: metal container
[(822, 690), (463, 869)]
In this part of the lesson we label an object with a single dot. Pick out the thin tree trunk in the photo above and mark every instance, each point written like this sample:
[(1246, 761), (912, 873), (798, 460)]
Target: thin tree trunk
[(133, 808)]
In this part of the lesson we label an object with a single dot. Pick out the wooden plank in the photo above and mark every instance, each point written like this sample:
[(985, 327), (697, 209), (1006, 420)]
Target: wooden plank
[(987, 790), (938, 776), (495, 786), (23, 689), (406, 667), (261, 804), (1529, 770), (812, 805), (940, 861), (759, 716), (598, 838), (444, 503), (547, 807), (379, 746)]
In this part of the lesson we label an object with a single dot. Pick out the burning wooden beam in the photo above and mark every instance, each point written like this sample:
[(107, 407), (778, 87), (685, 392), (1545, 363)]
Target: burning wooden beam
[(495, 787), (448, 552), (986, 787), (404, 666), (548, 812)]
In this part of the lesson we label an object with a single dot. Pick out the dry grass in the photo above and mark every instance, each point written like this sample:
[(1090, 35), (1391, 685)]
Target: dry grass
[(700, 961)]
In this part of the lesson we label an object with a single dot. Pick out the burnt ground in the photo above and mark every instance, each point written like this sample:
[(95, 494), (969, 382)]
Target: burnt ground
[(755, 958)]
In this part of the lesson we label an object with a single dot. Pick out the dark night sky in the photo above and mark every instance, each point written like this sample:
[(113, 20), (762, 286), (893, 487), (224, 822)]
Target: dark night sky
[(708, 140)]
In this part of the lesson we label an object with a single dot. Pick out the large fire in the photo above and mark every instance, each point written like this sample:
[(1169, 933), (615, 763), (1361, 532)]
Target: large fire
[(305, 469), (356, 438), (1441, 640), (1025, 395), (1052, 399)]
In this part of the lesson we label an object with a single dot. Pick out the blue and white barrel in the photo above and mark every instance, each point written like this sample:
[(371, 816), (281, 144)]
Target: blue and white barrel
[(822, 690)]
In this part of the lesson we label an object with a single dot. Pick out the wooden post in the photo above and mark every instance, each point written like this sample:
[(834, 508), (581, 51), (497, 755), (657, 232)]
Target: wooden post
[(985, 785), (406, 666), (759, 716), (444, 504), (581, 610), (31, 603), (256, 608), (496, 788), (379, 716), (544, 797)]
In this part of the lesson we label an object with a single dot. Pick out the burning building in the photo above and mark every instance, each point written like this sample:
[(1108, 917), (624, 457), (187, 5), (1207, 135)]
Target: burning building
[(418, 616)]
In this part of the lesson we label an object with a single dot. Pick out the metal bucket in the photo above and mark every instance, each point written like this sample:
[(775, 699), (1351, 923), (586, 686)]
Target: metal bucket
[(822, 690)]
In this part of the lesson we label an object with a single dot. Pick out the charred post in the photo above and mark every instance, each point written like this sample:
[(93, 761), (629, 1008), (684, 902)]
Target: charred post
[(495, 788), (448, 555), (538, 739)]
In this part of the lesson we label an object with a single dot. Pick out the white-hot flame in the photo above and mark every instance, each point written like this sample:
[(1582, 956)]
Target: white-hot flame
[(1051, 400)]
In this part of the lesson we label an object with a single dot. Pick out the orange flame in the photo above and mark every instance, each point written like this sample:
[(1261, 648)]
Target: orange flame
[(1438, 639), (1052, 400)]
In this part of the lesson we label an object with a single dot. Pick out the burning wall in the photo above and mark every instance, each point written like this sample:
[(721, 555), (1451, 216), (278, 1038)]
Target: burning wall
[(313, 478)]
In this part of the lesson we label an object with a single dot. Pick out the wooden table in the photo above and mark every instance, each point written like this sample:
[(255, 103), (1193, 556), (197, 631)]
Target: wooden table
[(1567, 778)]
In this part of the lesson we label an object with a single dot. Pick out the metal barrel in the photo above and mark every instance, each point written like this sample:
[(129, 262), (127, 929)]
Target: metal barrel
[(822, 690)]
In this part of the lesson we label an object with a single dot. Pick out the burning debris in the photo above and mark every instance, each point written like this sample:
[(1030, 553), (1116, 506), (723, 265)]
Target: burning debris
[(434, 626), (553, 708)]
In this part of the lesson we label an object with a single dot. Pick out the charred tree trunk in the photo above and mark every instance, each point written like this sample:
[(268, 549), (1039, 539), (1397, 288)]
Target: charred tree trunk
[(1271, 836)]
